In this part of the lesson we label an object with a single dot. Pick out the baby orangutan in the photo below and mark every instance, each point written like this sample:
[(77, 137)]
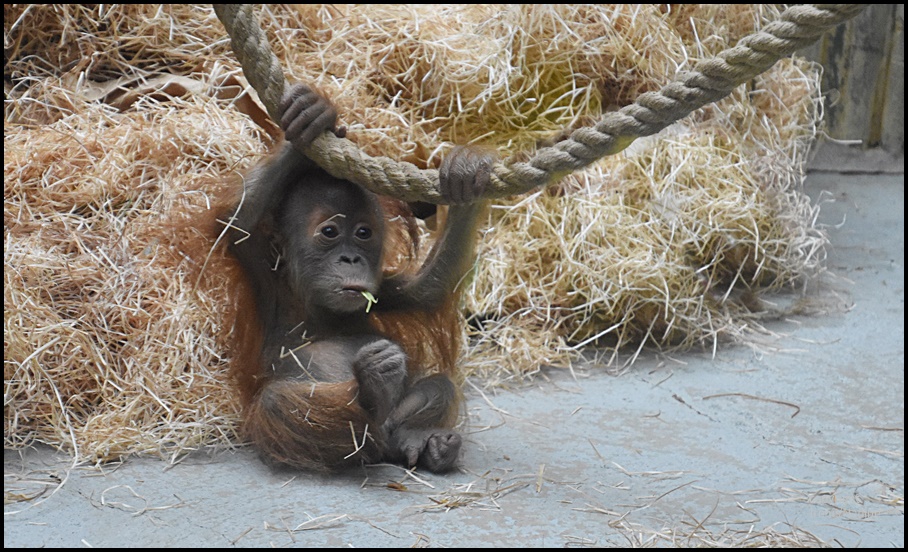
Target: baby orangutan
[(330, 389)]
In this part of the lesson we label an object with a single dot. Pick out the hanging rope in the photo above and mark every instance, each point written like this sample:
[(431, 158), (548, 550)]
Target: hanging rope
[(710, 80)]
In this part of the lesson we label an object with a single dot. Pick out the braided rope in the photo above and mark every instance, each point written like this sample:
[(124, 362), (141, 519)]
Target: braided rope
[(710, 80)]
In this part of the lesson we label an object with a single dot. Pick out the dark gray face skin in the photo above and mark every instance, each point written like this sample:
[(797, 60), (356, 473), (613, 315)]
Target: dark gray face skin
[(333, 233)]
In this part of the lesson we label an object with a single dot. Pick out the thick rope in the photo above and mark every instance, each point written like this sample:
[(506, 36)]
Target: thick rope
[(710, 80)]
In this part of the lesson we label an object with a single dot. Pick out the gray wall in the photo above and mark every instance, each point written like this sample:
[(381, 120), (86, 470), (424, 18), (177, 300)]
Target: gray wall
[(864, 78)]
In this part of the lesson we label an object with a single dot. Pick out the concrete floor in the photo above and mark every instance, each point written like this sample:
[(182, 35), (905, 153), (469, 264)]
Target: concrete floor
[(797, 441)]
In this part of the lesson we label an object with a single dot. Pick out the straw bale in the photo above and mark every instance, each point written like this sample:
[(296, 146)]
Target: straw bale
[(108, 347), (124, 121)]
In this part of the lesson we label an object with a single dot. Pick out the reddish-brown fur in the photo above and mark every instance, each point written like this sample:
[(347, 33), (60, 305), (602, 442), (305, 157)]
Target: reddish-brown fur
[(327, 425), (323, 384), (319, 433)]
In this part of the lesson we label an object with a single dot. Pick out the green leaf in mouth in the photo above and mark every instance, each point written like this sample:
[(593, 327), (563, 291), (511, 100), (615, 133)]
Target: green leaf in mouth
[(370, 298)]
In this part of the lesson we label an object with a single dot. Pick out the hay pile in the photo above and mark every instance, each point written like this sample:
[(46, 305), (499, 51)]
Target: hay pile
[(119, 118)]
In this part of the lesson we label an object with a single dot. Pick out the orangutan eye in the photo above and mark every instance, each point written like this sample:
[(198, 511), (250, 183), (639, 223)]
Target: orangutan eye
[(364, 232), (330, 231)]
